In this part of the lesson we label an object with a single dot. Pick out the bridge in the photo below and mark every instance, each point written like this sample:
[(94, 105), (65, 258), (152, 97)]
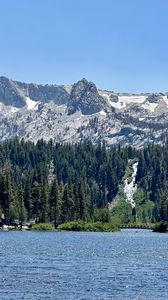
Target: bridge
[(135, 226)]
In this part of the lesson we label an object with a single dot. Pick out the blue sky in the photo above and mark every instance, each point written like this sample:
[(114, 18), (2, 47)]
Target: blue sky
[(121, 45)]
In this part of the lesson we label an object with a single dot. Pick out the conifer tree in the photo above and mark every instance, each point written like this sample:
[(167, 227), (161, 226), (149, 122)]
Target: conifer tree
[(67, 204), (54, 204), (82, 202), (43, 210)]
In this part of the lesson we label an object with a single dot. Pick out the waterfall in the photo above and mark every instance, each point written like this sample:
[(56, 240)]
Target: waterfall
[(130, 188)]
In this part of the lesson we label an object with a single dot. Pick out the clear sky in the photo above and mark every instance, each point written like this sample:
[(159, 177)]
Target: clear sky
[(121, 45)]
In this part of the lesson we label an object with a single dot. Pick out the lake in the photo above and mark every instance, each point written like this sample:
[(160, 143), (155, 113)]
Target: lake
[(132, 264)]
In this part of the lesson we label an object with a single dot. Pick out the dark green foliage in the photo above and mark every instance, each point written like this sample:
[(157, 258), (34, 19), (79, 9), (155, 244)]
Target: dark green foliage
[(144, 207), (54, 204), (102, 215), (161, 227), (164, 205), (121, 213), (43, 227), (152, 177), (88, 226), (58, 183)]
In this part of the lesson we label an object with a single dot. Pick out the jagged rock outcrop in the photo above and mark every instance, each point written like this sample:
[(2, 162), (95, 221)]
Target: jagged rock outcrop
[(44, 93), (14, 93), (10, 94), (85, 98), (154, 98), (114, 98)]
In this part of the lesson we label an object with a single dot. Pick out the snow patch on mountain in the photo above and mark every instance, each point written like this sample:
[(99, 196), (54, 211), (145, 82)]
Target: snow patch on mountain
[(7, 109), (123, 101), (150, 106), (13, 109), (102, 113), (119, 105), (31, 104), (132, 99)]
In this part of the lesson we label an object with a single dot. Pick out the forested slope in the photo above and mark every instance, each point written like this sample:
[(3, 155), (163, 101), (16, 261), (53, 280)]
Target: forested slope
[(63, 182), (58, 182)]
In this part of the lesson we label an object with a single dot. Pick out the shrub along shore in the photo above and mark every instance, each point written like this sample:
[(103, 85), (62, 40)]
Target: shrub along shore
[(89, 227), (69, 226)]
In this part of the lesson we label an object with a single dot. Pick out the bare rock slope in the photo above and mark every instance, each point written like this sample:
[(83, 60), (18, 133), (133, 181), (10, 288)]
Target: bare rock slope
[(79, 112)]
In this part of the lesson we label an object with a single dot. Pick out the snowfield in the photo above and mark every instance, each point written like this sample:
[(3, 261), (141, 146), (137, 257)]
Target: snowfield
[(126, 101)]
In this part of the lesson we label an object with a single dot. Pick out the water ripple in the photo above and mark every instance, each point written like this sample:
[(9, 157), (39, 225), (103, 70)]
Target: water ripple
[(83, 266)]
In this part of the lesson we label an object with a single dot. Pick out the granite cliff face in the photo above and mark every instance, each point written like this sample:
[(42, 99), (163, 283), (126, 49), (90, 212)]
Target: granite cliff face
[(78, 112), (10, 94), (85, 98), (44, 93)]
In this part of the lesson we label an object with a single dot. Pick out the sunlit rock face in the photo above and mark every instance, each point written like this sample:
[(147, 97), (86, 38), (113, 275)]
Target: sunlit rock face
[(85, 97), (10, 94), (78, 112)]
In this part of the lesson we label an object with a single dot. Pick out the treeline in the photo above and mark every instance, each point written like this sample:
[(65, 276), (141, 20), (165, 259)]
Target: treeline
[(58, 183), (152, 177)]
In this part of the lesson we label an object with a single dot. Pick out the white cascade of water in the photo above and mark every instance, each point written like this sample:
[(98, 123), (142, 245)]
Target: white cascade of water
[(130, 188)]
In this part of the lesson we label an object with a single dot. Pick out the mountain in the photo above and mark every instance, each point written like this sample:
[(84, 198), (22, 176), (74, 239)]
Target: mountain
[(85, 98), (73, 113)]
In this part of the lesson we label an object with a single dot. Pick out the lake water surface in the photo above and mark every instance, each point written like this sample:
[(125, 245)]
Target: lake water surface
[(132, 264)]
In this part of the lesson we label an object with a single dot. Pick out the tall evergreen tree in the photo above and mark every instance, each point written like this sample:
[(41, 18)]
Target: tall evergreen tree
[(54, 204)]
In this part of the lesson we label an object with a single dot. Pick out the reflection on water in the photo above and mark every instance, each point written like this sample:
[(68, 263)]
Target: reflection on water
[(131, 264)]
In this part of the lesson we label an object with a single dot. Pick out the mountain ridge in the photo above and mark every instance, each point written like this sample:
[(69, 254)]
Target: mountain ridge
[(77, 112)]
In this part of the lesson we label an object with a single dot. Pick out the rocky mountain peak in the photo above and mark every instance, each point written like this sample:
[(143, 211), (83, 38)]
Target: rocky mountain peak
[(85, 97), (10, 95)]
